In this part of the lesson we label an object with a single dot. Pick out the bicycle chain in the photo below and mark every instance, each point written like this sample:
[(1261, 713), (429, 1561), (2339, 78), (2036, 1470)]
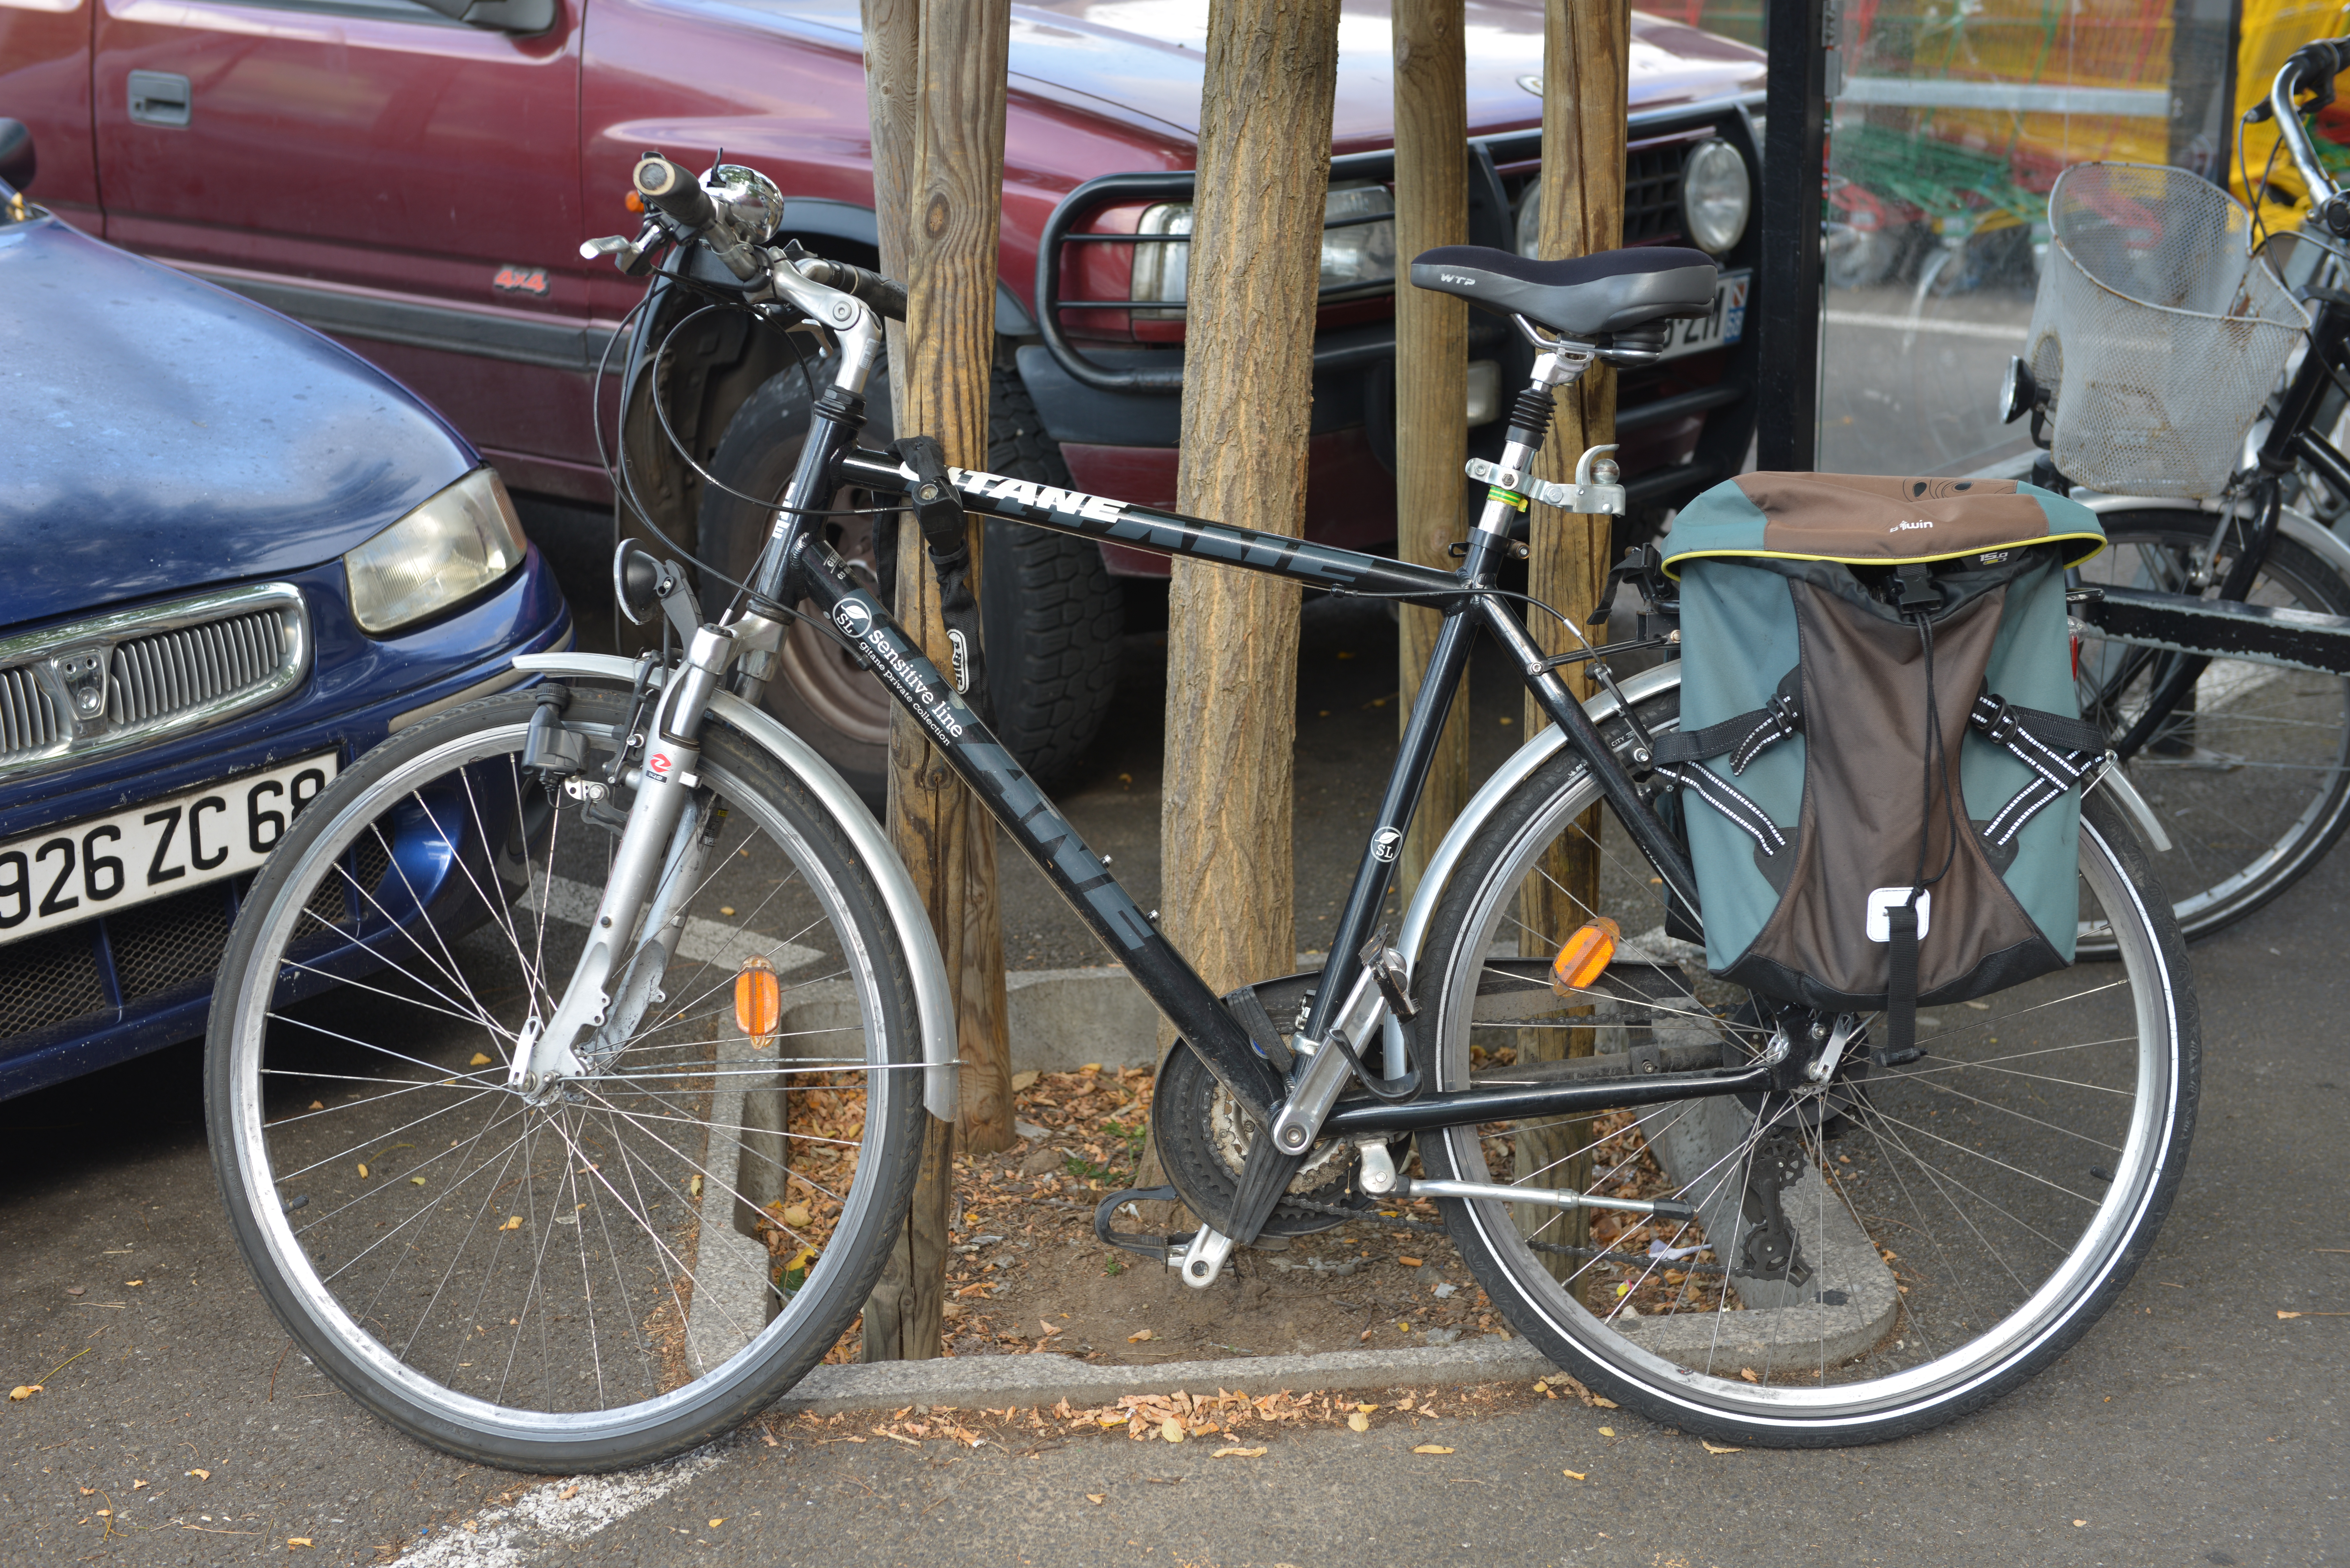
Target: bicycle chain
[(1556, 1248)]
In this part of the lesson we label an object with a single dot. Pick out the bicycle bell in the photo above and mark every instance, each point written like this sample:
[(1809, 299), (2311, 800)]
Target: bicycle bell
[(748, 199)]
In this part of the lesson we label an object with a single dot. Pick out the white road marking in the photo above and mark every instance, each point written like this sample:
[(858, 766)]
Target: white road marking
[(553, 1515), (702, 941), (1992, 330)]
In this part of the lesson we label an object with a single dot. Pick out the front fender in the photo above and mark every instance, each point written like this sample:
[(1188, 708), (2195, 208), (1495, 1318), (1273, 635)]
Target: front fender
[(933, 1001)]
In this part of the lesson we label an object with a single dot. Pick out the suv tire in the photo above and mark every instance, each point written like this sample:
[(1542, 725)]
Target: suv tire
[(1052, 614)]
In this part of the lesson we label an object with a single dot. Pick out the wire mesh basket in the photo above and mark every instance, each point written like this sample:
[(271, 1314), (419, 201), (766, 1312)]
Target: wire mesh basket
[(2157, 331)]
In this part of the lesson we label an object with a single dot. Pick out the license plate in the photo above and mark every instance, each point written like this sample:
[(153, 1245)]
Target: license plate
[(152, 850), (1725, 326)]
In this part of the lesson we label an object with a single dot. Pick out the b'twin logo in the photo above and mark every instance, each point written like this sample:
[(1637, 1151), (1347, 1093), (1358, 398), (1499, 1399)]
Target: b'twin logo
[(1905, 528)]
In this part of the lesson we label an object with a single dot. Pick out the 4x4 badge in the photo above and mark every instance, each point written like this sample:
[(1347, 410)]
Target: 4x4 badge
[(531, 280)]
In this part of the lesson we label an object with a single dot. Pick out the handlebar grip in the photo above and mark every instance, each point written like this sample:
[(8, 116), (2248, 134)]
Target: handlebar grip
[(887, 298), (673, 190), (2316, 64)]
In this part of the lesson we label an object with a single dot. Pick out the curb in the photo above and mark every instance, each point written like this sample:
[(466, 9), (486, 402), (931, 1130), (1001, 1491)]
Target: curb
[(1042, 1378)]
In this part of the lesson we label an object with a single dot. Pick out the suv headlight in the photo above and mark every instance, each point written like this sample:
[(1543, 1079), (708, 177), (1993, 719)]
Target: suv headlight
[(1358, 254), (1716, 195), (448, 549)]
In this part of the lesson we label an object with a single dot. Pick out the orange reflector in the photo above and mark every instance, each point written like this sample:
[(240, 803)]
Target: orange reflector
[(634, 203), (1585, 956), (758, 1001)]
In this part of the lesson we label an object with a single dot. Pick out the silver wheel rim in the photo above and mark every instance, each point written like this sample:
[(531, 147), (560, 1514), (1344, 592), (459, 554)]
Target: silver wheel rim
[(312, 1296), (2047, 1312)]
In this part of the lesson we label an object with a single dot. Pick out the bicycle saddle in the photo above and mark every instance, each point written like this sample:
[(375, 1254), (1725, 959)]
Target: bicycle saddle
[(1581, 297)]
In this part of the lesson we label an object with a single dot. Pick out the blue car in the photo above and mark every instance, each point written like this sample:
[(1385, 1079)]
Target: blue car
[(233, 557)]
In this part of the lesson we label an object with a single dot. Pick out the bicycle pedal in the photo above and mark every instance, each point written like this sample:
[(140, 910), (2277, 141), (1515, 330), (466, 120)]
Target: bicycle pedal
[(1159, 1249)]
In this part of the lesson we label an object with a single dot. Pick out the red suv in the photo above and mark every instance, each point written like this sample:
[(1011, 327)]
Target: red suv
[(414, 177)]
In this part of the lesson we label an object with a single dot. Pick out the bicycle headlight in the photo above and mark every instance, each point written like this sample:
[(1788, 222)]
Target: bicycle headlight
[(1359, 253), (1716, 195), (448, 549)]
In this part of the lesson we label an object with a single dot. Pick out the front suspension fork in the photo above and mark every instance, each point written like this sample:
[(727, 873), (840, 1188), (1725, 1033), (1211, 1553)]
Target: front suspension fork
[(657, 857)]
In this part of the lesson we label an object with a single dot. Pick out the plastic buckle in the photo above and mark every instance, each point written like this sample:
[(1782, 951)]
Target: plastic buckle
[(2004, 722)]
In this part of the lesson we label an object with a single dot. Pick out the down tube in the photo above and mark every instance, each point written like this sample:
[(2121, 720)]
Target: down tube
[(1012, 799)]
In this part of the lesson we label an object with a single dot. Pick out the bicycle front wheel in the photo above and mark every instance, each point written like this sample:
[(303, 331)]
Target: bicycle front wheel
[(1869, 1257), (2250, 774), (620, 1269)]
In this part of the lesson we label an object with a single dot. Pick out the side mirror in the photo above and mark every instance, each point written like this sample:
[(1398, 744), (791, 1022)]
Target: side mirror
[(16, 163), (2019, 395), (522, 17)]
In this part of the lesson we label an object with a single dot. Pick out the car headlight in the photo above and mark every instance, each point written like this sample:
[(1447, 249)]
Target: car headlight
[(1359, 254), (1716, 195), (448, 549)]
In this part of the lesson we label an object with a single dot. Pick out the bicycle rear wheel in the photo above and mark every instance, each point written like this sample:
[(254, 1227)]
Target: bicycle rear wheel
[(2250, 774), (1870, 1258), (618, 1269)]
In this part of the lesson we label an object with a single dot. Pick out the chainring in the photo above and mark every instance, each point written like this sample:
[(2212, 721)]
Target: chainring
[(1204, 1137)]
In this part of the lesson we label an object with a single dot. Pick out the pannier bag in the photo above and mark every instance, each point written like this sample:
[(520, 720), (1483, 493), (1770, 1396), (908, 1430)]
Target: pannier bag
[(1852, 648)]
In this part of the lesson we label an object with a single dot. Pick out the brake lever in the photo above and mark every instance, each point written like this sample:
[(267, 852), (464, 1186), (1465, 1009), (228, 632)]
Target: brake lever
[(628, 255)]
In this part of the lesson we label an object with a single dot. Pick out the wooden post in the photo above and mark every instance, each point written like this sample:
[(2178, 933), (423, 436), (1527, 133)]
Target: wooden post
[(1431, 116), (1232, 675), (938, 174), (1585, 48)]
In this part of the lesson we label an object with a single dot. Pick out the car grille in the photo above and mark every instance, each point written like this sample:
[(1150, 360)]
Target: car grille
[(172, 945), (1652, 192), (27, 722), (166, 669), (156, 677)]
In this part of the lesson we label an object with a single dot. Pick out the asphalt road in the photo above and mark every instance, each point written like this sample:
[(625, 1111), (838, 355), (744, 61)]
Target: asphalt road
[(2193, 1425)]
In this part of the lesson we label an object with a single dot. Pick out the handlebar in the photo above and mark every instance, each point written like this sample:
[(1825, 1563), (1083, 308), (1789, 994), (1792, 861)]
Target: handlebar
[(673, 189), (2311, 68)]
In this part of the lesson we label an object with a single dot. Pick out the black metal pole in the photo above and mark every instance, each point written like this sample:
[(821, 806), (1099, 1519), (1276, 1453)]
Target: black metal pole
[(1787, 434)]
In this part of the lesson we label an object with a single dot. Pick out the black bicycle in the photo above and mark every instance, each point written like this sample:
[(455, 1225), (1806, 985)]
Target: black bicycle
[(2215, 634), (567, 1062)]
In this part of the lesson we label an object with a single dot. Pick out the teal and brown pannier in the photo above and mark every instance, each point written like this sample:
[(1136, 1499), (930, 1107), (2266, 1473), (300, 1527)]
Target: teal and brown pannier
[(1880, 757)]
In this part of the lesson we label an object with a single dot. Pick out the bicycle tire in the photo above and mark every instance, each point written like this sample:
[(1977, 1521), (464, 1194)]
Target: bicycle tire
[(1931, 1289), (629, 1267), (2251, 781)]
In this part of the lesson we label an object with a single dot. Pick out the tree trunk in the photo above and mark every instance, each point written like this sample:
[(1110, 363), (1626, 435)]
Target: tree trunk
[(1585, 46), (1431, 113), (938, 184), (1225, 864)]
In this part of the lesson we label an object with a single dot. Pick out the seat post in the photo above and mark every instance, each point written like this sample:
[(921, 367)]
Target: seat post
[(1557, 363)]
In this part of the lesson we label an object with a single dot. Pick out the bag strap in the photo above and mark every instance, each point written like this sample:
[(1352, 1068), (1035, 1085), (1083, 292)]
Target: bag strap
[(947, 533), (1744, 737), (2059, 751)]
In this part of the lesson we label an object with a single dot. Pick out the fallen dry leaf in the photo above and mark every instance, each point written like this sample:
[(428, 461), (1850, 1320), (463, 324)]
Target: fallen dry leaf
[(1606, 1431), (200, 1475), (1710, 1447), (480, 1060), (1749, 1373), (1139, 1337), (1238, 1454), (2080, 1523), (1095, 1495), (2283, 1314), (137, 1484), (1172, 1429), (567, 1494), (717, 1522), (24, 1391), (134, 1282), (1431, 1449), (362, 1171), (297, 1540), (1410, 1262), (317, 1105), (1572, 1475), (1025, 1081), (1359, 1422), (514, 1222)]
